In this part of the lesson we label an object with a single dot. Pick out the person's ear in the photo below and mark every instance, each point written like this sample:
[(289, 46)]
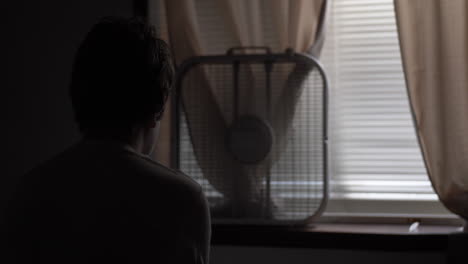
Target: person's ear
[(152, 122)]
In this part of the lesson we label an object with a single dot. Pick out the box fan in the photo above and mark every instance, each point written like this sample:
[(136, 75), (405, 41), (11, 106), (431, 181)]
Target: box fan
[(251, 128)]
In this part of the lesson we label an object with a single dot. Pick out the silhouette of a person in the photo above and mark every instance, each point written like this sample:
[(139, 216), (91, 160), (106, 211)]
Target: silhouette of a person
[(103, 200)]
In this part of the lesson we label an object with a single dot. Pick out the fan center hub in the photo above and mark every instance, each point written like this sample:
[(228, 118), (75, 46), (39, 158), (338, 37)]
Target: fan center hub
[(249, 139)]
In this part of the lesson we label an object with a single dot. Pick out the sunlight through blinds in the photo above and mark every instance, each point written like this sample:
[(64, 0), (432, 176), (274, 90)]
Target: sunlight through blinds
[(375, 153)]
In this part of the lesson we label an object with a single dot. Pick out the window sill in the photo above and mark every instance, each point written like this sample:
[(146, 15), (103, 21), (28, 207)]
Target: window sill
[(380, 237)]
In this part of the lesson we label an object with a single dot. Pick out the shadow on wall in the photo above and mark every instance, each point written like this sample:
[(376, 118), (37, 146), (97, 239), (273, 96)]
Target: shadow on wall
[(39, 40)]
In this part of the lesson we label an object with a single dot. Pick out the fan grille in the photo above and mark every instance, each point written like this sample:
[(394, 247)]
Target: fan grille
[(290, 184)]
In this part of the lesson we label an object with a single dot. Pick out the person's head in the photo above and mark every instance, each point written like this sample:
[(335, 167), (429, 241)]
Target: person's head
[(121, 80)]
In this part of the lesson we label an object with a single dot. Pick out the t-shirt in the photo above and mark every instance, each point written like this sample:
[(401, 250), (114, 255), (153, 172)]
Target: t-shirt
[(101, 202)]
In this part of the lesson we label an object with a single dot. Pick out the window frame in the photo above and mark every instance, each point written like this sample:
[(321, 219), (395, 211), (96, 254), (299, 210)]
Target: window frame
[(331, 215)]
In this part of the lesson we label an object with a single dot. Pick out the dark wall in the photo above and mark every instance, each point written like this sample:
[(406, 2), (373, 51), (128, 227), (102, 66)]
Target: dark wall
[(38, 42), (254, 255)]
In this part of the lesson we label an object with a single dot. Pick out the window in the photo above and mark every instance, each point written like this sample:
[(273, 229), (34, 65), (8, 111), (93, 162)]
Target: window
[(376, 167), (376, 164)]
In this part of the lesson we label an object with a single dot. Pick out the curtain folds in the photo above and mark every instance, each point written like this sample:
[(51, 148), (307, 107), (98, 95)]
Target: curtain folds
[(297, 24), (185, 40), (434, 44)]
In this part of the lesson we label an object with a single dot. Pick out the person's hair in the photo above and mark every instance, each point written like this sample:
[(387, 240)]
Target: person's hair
[(121, 77)]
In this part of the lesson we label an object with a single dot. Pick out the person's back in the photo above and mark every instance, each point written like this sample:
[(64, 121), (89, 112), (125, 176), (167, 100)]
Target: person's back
[(103, 200)]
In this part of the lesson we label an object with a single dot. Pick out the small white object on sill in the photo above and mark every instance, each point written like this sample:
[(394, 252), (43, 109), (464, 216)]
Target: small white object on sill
[(414, 227)]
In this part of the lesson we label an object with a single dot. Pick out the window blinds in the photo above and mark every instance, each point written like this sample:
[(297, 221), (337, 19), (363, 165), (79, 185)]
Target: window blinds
[(375, 153)]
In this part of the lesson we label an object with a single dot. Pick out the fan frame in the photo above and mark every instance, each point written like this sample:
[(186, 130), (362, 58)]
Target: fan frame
[(268, 57)]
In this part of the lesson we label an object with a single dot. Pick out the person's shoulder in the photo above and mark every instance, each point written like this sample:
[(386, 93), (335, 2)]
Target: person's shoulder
[(47, 166), (154, 172)]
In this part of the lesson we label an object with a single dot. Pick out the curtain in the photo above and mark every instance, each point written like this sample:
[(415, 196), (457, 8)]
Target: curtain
[(162, 153), (298, 24), (434, 44)]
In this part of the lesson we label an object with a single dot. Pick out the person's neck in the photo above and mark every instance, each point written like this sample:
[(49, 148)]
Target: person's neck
[(134, 140), (113, 139), (137, 143)]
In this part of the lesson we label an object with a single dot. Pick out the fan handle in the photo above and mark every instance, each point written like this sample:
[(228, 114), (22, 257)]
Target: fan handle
[(232, 51)]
